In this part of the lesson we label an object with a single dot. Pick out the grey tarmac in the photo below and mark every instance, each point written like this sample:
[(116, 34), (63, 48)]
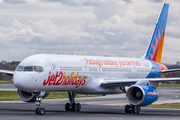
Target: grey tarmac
[(25, 111), (109, 107)]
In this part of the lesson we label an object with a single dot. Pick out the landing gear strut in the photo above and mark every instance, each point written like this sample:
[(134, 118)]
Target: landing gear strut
[(72, 106), (132, 109), (39, 110)]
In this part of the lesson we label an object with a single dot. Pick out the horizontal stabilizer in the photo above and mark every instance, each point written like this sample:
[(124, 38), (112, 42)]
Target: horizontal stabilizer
[(170, 70)]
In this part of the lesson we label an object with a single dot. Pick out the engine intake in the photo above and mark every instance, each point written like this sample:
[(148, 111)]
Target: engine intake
[(29, 96), (141, 95)]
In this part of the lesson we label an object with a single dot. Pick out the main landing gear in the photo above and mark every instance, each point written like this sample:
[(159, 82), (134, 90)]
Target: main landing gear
[(72, 106), (132, 109), (39, 110)]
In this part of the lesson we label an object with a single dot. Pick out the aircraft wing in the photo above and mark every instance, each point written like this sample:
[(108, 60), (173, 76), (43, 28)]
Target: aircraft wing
[(7, 72), (128, 82)]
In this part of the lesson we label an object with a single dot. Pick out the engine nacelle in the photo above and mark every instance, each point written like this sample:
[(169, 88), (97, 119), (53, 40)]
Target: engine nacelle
[(141, 95), (29, 96)]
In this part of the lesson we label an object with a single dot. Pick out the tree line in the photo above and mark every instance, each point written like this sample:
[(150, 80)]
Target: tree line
[(7, 66)]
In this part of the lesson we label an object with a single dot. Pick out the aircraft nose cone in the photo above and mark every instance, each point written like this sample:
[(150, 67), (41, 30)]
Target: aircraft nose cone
[(21, 81)]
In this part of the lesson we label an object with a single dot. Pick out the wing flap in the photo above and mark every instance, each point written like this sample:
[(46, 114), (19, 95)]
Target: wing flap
[(113, 84)]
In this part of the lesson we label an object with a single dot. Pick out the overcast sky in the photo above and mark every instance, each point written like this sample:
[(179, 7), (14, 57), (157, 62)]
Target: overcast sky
[(120, 28)]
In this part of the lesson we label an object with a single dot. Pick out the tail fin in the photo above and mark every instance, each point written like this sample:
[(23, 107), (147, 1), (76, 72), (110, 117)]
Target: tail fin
[(154, 50)]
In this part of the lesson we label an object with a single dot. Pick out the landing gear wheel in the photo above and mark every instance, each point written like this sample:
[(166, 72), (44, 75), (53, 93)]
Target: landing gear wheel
[(78, 107), (74, 107), (134, 109), (67, 107), (131, 109), (37, 111), (127, 109), (42, 111), (138, 109)]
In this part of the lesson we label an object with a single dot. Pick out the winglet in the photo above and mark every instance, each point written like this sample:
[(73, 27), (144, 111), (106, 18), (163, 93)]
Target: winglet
[(154, 50)]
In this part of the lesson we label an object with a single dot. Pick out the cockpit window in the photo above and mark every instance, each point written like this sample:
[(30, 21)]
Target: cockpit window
[(20, 68), (28, 68), (38, 69), (41, 69)]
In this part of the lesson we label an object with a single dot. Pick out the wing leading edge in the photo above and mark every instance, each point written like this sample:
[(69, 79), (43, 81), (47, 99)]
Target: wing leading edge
[(128, 82), (7, 72)]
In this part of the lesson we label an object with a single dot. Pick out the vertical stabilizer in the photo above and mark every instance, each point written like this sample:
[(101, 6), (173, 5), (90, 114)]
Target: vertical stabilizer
[(154, 50)]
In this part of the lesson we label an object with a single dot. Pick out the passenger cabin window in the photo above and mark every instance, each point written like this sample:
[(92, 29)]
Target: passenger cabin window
[(92, 69), (30, 68), (71, 68)]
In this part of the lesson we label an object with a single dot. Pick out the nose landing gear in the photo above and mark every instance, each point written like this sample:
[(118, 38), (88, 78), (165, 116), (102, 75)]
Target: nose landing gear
[(39, 110)]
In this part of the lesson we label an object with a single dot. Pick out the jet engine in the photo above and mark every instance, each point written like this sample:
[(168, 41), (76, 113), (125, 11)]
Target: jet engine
[(30, 96), (141, 95)]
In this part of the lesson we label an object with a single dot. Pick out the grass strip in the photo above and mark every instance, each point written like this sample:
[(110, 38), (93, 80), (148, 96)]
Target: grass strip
[(57, 95), (8, 95), (12, 95), (169, 85), (166, 105), (6, 82)]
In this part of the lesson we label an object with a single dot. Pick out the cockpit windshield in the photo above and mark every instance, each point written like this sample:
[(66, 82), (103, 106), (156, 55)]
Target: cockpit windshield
[(20, 68), (30, 68), (38, 68)]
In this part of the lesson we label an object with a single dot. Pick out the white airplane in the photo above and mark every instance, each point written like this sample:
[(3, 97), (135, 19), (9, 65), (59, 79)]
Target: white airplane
[(37, 75)]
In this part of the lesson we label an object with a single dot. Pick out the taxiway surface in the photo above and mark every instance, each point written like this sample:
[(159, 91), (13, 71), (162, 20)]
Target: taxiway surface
[(24, 111), (93, 108)]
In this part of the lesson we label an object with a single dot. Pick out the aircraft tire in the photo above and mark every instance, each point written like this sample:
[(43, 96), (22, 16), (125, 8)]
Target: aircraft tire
[(67, 105), (42, 111), (74, 107), (78, 107), (138, 109), (127, 109), (37, 111), (134, 109)]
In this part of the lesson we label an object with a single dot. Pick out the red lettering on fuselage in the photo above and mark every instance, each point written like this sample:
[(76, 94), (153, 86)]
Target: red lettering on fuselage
[(109, 62), (61, 79)]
